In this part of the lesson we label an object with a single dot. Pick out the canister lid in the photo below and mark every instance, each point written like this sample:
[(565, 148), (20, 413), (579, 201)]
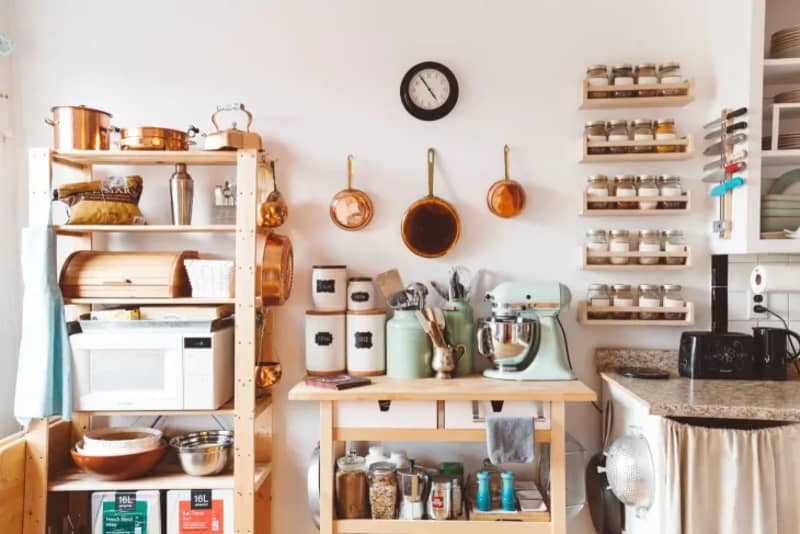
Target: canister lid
[(330, 267), (375, 311), (325, 312), (359, 279)]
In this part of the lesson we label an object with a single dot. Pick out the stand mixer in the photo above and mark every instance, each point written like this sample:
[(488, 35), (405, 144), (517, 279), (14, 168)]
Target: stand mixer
[(521, 337)]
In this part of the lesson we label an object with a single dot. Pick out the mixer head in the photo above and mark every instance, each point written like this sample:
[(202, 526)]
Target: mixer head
[(545, 297)]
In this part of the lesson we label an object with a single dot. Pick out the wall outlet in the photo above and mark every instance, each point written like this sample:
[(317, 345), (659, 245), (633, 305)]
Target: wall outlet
[(753, 300)]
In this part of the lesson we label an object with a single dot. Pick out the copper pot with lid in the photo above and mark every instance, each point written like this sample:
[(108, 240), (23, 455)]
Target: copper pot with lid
[(80, 128), (506, 197)]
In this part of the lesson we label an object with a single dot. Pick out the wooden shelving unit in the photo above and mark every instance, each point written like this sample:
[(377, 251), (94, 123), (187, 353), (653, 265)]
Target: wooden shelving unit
[(588, 211), (584, 309), (638, 101), (633, 258), (685, 150), (49, 473)]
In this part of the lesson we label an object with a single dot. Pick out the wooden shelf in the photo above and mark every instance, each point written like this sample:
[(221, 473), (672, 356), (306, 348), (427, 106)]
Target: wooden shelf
[(83, 229), (169, 477), (684, 144), (144, 157), (176, 301), (398, 526), (584, 309), (635, 255), (638, 101), (226, 409), (588, 211), (477, 435), (785, 70)]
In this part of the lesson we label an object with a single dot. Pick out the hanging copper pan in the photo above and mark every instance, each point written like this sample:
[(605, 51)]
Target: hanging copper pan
[(430, 226), (506, 197), (274, 275), (351, 209)]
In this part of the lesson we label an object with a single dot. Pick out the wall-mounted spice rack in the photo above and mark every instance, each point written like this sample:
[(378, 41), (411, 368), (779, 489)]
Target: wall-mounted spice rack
[(586, 313), (661, 101), (634, 259), (683, 149), (588, 208)]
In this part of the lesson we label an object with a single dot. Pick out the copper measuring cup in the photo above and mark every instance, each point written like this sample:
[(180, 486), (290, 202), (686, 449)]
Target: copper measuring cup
[(506, 197), (273, 211), (430, 226), (351, 209)]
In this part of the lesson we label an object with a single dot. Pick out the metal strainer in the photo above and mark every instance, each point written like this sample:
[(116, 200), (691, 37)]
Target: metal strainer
[(630, 471)]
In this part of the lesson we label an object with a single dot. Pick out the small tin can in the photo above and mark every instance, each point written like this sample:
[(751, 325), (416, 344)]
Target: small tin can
[(440, 498), (360, 294)]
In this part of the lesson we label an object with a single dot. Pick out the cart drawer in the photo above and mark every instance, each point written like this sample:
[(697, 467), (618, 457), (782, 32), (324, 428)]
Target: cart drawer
[(385, 414), (461, 414)]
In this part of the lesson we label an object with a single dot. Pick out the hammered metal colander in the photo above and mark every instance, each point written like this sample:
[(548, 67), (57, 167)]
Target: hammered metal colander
[(630, 471)]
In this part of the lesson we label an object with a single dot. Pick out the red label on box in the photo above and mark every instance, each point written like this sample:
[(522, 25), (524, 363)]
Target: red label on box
[(208, 521)]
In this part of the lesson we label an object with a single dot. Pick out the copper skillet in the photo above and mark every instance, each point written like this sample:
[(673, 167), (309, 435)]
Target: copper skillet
[(506, 197), (430, 226), (275, 272)]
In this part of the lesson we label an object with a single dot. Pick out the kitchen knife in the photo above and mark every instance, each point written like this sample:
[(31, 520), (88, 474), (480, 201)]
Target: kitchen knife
[(732, 115), (716, 134), (724, 187), (717, 148), (719, 176), (737, 157)]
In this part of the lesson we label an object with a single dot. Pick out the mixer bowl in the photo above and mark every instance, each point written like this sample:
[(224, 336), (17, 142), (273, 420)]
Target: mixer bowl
[(507, 340)]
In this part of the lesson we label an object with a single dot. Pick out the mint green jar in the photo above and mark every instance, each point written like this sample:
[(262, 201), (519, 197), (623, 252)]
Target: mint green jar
[(408, 347), (461, 330)]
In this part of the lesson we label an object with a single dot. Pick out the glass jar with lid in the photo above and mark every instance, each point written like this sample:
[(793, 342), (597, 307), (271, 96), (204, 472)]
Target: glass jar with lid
[(646, 74), (675, 242), (626, 187), (649, 297), (642, 130), (671, 187), (670, 73), (649, 241), (597, 79), (648, 188), (620, 242), (352, 494), (596, 131), (383, 490), (598, 295), (618, 132), (665, 131), (596, 241), (622, 297), (673, 298), (597, 188), (622, 75)]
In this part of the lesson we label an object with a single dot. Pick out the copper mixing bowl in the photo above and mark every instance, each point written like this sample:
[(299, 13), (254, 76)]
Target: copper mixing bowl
[(119, 467)]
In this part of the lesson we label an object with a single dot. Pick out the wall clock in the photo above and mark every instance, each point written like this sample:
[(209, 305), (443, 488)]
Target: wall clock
[(429, 91)]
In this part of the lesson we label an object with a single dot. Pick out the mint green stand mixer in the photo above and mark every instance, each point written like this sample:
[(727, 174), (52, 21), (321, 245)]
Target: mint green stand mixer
[(523, 338)]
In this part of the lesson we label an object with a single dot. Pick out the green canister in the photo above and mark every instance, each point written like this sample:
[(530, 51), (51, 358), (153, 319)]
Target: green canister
[(461, 330), (408, 347)]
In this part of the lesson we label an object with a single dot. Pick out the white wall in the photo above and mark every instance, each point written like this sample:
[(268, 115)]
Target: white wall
[(322, 79)]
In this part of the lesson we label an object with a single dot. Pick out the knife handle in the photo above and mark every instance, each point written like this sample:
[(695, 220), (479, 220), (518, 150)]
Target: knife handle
[(736, 113), (735, 167)]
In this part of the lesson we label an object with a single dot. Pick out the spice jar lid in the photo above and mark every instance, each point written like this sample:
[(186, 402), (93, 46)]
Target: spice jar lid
[(351, 462), (597, 178), (598, 287), (667, 121), (649, 287), (672, 287), (671, 177), (626, 177), (620, 233), (621, 287), (382, 468), (643, 122), (646, 66), (673, 233), (595, 232), (595, 124), (617, 122), (669, 65), (646, 177), (623, 66), (598, 66), (649, 233)]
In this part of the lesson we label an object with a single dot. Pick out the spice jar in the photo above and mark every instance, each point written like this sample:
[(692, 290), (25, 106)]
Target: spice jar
[(675, 241), (646, 74), (596, 131), (622, 75), (597, 187), (618, 132), (642, 130), (673, 298), (351, 487), (620, 242), (597, 78), (622, 298), (649, 298), (665, 131), (671, 187), (598, 295), (383, 490), (626, 187), (670, 73), (648, 188), (596, 241), (649, 241)]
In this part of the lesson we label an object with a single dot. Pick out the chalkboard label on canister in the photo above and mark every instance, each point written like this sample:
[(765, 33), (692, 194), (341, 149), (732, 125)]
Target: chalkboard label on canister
[(363, 340), (326, 286), (359, 296), (323, 339)]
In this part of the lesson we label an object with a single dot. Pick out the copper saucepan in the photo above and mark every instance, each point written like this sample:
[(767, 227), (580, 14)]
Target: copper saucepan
[(156, 138), (506, 197), (430, 226), (80, 128), (274, 275)]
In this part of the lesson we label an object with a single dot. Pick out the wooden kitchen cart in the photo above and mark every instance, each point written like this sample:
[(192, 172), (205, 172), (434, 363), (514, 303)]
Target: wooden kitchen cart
[(53, 487), (474, 388)]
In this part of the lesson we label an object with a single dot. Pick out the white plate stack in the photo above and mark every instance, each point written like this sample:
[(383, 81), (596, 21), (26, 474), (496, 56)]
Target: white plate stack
[(785, 43)]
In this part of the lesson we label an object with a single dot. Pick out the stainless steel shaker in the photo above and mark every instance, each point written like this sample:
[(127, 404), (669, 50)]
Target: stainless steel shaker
[(181, 194)]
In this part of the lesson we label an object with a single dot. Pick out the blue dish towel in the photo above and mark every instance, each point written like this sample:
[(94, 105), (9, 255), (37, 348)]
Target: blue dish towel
[(509, 439), (44, 376)]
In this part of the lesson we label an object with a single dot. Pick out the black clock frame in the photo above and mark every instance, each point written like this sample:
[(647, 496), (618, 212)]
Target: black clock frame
[(428, 114)]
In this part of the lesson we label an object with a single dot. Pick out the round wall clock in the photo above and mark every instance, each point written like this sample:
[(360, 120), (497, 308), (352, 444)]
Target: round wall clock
[(429, 91)]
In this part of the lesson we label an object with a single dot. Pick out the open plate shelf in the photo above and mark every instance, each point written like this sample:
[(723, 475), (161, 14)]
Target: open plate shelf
[(633, 259), (638, 101), (684, 150), (584, 309), (588, 211)]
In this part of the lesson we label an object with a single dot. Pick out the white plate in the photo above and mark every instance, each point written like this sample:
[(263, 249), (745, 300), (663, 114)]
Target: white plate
[(121, 440)]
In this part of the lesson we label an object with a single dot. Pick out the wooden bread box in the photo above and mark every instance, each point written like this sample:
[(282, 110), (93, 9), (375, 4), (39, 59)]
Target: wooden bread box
[(102, 274)]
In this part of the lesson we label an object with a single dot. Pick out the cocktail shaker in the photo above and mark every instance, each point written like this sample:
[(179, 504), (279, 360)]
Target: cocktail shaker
[(181, 194)]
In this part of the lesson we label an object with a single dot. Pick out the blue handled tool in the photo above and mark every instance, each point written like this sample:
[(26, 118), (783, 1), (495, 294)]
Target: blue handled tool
[(724, 187)]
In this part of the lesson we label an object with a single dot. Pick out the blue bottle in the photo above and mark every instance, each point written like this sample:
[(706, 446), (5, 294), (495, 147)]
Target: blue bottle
[(484, 498), (508, 500)]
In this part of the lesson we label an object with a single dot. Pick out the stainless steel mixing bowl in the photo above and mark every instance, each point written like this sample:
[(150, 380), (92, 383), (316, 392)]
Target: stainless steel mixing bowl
[(507, 340), (203, 453)]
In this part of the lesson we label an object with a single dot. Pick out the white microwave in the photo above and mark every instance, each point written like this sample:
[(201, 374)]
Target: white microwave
[(176, 368)]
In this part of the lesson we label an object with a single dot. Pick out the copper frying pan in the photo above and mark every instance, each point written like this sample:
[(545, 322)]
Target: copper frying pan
[(274, 274), (430, 226)]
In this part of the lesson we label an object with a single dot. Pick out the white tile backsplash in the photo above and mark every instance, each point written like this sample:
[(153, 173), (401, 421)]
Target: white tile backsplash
[(739, 298), (737, 305), (739, 276)]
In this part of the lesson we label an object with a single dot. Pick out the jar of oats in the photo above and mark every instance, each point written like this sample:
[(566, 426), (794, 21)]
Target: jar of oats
[(383, 490)]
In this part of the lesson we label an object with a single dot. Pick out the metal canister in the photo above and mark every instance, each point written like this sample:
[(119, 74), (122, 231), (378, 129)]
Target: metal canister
[(440, 498), (181, 194)]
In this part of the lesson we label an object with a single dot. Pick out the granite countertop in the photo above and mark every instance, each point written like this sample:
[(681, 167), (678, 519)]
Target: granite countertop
[(767, 400)]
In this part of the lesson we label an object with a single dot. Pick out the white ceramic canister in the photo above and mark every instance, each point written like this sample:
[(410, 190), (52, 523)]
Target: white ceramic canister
[(329, 287), (366, 343), (360, 294), (325, 343)]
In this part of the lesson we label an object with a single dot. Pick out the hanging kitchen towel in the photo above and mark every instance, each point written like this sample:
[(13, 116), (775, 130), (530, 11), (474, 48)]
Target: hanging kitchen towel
[(509, 440), (44, 377)]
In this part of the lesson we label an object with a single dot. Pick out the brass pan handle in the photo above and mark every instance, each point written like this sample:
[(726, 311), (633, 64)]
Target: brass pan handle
[(431, 158), (349, 171), (505, 160)]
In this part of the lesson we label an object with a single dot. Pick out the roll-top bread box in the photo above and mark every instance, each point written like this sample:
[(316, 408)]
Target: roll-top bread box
[(101, 274)]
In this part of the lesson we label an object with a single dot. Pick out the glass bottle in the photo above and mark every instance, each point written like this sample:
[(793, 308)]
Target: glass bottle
[(383, 490), (626, 187), (649, 241), (622, 75), (596, 241), (620, 242), (665, 131), (670, 73), (598, 295), (648, 188), (352, 494), (649, 298), (675, 241), (673, 298), (622, 298), (618, 132), (596, 131), (646, 74), (642, 130), (671, 187), (597, 78), (597, 187)]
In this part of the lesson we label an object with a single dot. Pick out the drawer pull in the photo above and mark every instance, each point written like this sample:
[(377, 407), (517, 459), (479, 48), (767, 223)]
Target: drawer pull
[(384, 405)]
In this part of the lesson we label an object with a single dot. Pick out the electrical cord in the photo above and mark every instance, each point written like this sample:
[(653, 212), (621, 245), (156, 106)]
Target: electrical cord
[(569, 359), (794, 354)]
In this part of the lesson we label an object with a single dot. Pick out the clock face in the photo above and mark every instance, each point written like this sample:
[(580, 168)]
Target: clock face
[(429, 91)]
